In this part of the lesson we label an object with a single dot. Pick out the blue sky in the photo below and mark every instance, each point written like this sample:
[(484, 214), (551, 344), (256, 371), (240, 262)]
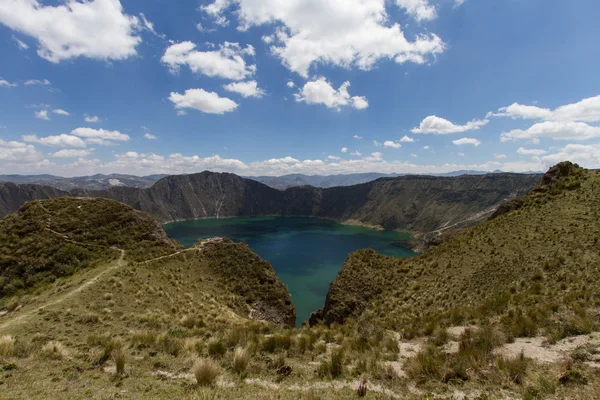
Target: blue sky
[(304, 86)]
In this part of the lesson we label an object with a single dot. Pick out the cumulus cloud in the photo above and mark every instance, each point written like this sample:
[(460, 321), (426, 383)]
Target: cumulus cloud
[(394, 145), (290, 84), (70, 153), (97, 29), (586, 110), (226, 62), (420, 10), (320, 91), (556, 130), (42, 82), (92, 118), (530, 152), (344, 150), (60, 111), (340, 33), (62, 140), (440, 126), (462, 141), (426, 147), (406, 139), (201, 100), (356, 153), (587, 156), (357, 137), (334, 158), (149, 136), (90, 133), (246, 89), (13, 152), (42, 114), (5, 83), (499, 156)]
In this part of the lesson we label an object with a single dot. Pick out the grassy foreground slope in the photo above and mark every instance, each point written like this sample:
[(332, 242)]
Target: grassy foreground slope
[(535, 262)]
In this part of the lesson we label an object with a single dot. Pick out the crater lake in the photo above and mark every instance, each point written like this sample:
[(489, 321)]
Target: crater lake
[(306, 253)]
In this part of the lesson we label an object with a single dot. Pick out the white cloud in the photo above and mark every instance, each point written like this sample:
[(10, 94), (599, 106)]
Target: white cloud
[(413, 155), (332, 32), (97, 29), (246, 89), (70, 153), (356, 153), (460, 154), (377, 144), (149, 136), (420, 10), (376, 156), (5, 83), (357, 137), (587, 156), (90, 133), (394, 145), (334, 158), (344, 150), (530, 152), (499, 156), (62, 140), (181, 113), (42, 82), (201, 100), (60, 111), (320, 91), (462, 141), (556, 130), (226, 62), (15, 153), (458, 3), (406, 139), (586, 110), (92, 119), (290, 84), (440, 126), (42, 114), (41, 105), (22, 45), (426, 147)]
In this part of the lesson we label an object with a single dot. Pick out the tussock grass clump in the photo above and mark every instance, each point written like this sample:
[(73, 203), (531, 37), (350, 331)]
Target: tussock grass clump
[(241, 358), (119, 357), (143, 339), (7, 346), (333, 367), (205, 371), (427, 365), (54, 350), (216, 348), (516, 368)]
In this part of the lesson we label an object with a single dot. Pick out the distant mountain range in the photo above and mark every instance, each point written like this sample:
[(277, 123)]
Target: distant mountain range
[(100, 181), (412, 203), (94, 182)]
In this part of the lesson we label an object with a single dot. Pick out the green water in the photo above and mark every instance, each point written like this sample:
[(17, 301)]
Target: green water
[(307, 253)]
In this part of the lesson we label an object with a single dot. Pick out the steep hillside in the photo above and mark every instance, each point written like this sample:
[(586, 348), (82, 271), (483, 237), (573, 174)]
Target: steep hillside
[(419, 204), (536, 262), (48, 239)]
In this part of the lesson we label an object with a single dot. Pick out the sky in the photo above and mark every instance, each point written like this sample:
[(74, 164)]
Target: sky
[(271, 87)]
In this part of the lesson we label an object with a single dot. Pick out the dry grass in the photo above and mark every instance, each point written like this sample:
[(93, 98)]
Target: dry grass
[(206, 371), (7, 346), (241, 358), (54, 350)]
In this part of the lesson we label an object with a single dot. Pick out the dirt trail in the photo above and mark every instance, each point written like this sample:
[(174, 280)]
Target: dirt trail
[(24, 315)]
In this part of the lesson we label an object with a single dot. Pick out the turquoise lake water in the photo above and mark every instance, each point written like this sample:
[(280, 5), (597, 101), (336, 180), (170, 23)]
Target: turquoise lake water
[(306, 253)]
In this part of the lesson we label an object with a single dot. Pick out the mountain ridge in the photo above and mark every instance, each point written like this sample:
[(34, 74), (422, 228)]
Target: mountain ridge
[(412, 203)]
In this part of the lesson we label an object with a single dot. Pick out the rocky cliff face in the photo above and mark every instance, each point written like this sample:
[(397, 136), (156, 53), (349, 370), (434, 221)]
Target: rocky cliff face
[(413, 203)]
